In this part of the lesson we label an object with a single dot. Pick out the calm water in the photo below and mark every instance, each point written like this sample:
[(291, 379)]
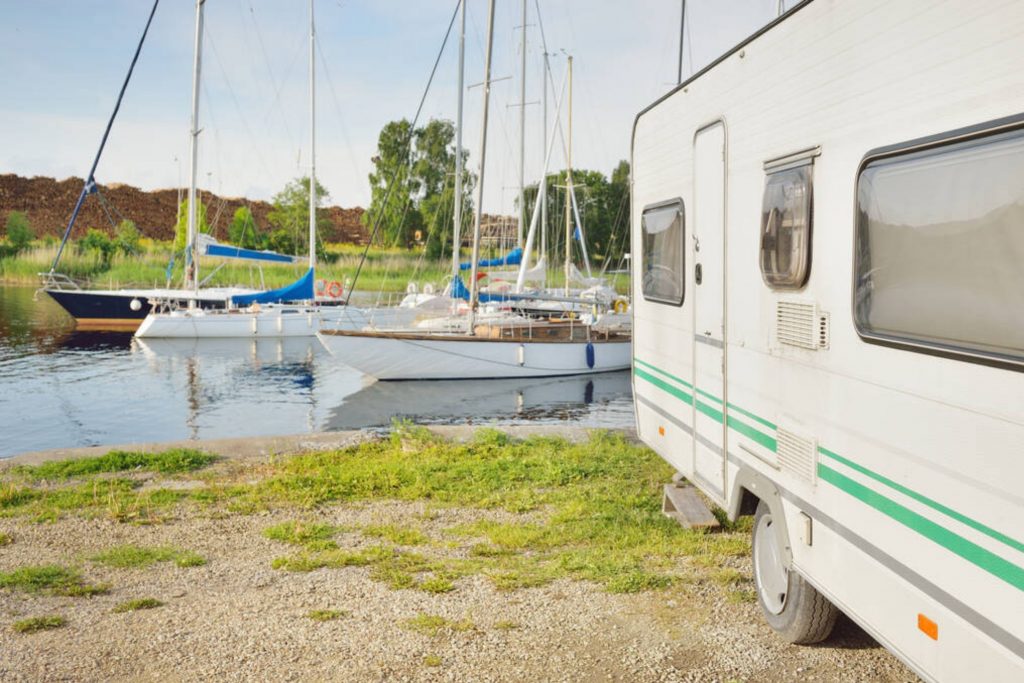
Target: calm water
[(61, 388)]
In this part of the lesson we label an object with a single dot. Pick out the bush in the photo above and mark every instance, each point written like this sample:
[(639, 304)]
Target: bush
[(97, 242), (281, 241), (126, 238), (19, 231)]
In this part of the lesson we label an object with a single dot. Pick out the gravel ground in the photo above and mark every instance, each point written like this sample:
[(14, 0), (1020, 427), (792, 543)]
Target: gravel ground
[(237, 619)]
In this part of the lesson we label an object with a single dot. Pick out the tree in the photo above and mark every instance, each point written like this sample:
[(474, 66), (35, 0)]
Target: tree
[(19, 231), (291, 211), (242, 230), (281, 241), (421, 165), (126, 238), (181, 229)]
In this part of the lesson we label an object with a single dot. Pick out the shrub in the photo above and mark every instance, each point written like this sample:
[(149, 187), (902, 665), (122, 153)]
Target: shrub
[(19, 231)]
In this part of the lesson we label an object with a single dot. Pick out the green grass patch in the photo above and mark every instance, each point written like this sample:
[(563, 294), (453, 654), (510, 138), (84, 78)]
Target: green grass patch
[(434, 625), (398, 535), (5, 539), (326, 614), (431, 660), (506, 625), (173, 461), (139, 557), (310, 534), (38, 624), (51, 579), (137, 604)]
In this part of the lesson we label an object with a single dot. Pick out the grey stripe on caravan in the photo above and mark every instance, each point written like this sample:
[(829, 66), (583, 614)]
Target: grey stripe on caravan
[(665, 414), (710, 341), (983, 624)]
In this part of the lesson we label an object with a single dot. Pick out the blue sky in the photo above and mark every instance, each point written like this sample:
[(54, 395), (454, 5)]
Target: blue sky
[(64, 60)]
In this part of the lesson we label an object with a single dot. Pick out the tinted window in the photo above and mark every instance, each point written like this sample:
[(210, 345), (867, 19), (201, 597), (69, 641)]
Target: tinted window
[(786, 228), (940, 247), (662, 263)]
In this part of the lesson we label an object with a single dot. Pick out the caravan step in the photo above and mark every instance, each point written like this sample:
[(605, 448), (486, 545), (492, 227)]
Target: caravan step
[(682, 503)]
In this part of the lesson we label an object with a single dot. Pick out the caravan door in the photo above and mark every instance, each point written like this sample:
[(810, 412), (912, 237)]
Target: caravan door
[(709, 178)]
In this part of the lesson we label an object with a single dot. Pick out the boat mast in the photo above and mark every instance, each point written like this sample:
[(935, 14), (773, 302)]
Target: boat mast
[(568, 192), (522, 131), (473, 294), (544, 178), (192, 269), (312, 139), (457, 237)]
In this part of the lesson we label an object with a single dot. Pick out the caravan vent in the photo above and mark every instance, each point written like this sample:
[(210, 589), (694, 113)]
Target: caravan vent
[(796, 454), (800, 323)]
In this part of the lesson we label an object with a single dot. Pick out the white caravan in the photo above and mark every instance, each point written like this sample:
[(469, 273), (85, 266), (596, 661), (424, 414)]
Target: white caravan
[(828, 233)]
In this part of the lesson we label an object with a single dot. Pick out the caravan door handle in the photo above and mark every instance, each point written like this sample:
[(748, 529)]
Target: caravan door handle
[(698, 273)]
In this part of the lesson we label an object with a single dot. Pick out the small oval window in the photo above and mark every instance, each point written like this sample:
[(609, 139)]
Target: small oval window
[(786, 228)]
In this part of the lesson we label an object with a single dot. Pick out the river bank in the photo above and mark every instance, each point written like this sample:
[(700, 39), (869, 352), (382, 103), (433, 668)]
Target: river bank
[(451, 554)]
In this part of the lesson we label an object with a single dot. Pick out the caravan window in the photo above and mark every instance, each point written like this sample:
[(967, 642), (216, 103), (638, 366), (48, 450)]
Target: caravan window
[(940, 247), (663, 226), (786, 226)]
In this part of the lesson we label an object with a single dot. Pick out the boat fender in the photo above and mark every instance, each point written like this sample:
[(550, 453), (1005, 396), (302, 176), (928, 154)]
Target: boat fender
[(135, 305), (428, 288), (334, 289), (590, 355), (410, 288), (621, 306), (321, 286)]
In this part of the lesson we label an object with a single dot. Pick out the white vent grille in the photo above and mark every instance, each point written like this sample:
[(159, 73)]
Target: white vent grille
[(800, 323), (796, 454)]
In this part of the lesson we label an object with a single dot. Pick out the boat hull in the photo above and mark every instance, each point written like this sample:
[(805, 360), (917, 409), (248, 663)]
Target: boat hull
[(409, 357), (113, 309), (201, 324)]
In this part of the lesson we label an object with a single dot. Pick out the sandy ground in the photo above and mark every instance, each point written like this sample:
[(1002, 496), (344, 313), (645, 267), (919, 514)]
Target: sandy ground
[(238, 619)]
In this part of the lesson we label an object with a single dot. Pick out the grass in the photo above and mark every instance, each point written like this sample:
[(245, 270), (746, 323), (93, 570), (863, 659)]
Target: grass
[(38, 624), (506, 625), (50, 579), (137, 604), (5, 539), (433, 625), (173, 461), (583, 511), (325, 614), (431, 660), (139, 557)]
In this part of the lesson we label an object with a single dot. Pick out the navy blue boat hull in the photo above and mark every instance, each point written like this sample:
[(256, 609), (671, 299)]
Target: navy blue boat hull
[(111, 310)]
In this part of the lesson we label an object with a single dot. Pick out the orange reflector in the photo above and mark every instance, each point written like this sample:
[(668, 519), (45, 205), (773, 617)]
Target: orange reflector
[(661, 430), (928, 627)]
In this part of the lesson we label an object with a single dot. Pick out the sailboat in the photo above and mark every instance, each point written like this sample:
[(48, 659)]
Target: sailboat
[(118, 309), (289, 311), (492, 345)]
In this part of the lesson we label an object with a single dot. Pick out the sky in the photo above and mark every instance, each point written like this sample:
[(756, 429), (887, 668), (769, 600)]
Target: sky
[(64, 61)]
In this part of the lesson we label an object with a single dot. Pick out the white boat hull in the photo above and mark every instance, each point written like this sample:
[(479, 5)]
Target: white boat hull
[(406, 356), (271, 322)]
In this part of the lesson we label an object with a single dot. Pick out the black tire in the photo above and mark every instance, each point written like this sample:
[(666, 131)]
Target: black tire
[(806, 616)]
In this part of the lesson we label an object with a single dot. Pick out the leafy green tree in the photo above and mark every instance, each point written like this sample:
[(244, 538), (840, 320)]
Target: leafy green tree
[(281, 241), (242, 230), (126, 238), (19, 231), (291, 211), (181, 229), (421, 164), (99, 243)]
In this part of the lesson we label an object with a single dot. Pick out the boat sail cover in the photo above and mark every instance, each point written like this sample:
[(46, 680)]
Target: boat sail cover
[(209, 246), (300, 290), (512, 258), (460, 291)]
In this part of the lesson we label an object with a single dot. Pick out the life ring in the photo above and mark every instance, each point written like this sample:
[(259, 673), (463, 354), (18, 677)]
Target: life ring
[(321, 286), (334, 289), (620, 306)]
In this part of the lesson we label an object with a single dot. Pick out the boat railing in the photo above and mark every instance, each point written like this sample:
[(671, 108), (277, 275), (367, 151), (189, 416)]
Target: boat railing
[(54, 280)]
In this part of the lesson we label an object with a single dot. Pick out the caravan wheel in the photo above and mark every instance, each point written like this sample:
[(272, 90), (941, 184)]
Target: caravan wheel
[(791, 606)]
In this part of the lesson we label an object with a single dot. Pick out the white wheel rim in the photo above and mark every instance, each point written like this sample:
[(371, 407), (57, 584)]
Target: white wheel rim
[(769, 570)]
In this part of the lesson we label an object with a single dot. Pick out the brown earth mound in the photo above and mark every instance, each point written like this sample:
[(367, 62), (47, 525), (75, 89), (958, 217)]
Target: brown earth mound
[(49, 203)]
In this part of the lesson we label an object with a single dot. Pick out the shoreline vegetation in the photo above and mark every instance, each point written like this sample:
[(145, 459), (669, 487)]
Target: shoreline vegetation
[(388, 270)]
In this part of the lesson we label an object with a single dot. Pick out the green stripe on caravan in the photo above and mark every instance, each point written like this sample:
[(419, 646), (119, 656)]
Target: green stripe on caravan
[(973, 553), (977, 555)]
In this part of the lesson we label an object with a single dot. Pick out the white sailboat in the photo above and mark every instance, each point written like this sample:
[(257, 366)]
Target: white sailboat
[(490, 346), (260, 314)]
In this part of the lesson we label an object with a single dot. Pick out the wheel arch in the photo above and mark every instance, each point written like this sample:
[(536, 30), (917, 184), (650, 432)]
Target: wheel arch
[(750, 487)]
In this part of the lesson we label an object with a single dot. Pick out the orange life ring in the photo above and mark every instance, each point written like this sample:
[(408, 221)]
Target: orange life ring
[(334, 289), (321, 286)]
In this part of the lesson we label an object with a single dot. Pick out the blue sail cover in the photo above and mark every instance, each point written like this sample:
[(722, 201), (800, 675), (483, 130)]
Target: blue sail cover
[(460, 291), (229, 251), (512, 258), (300, 290)]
